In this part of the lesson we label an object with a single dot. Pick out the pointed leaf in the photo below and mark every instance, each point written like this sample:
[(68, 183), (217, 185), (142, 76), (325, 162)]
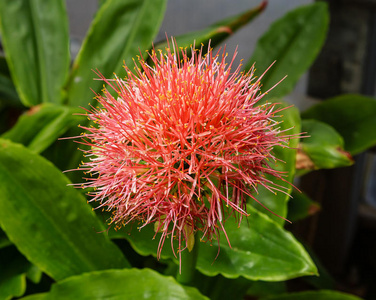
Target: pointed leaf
[(293, 42), (217, 32), (353, 116), (42, 125), (36, 42), (314, 295), (261, 250), (120, 30), (49, 222), (322, 149), (122, 284)]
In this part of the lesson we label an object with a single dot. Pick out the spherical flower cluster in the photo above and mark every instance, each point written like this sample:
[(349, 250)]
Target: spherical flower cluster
[(180, 142)]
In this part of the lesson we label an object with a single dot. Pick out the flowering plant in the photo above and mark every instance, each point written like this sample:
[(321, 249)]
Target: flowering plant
[(170, 151)]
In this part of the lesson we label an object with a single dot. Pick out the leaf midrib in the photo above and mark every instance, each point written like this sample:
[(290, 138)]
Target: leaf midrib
[(80, 255)]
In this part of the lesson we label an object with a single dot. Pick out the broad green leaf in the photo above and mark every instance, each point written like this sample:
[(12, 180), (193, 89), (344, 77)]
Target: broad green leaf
[(13, 268), (314, 295), (49, 222), (121, 284), (261, 250), (42, 125), (120, 30), (217, 32), (13, 286), (277, 203), (322, 148), (36, 42), (301, 206), (353, 116), (293, 42)]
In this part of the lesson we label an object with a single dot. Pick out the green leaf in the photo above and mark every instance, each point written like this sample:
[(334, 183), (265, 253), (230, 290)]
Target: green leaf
[(217, 32), (353, 116), (49, 222), (122, 284), (261, 250), (42, 125), (13, 268), (301, 206), (277, 203), (36, 42), (293, 42), (314, 295), (34, 274), (120, 30), (322, 149)]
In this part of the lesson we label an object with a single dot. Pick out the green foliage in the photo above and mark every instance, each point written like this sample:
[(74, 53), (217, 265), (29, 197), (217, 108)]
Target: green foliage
[(260, 248), (42, 125), (120, 284), (293, 42), (323, 148), (47, 226), (353, 116), (120, 30), (13, 268), (277, 203), (215, 33), (49, 222), (35, 39)]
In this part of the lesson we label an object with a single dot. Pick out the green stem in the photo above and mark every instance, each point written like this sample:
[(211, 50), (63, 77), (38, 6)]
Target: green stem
[(188, 264)]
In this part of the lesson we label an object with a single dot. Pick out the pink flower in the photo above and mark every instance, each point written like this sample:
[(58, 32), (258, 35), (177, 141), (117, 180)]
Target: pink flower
[(183, 141)]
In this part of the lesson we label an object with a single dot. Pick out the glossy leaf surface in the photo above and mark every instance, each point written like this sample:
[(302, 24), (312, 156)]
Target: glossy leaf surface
[(49, 222), (121, 284), (293, 42), (260, 250), (36, 42), (42, 125), (353, 116), (323, 148), (120, 30)]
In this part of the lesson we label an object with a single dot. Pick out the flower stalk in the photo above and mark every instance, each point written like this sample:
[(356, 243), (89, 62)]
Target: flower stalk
[(188, 261)]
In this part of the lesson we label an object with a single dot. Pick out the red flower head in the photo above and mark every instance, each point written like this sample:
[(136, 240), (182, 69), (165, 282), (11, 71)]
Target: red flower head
[(183, 141)]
